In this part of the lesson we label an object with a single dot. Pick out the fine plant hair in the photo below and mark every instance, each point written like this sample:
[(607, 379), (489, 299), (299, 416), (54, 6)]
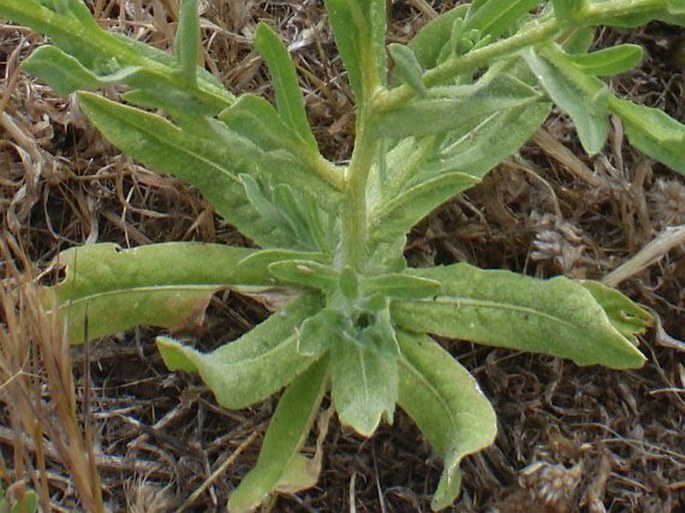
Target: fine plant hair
[(353, 320)]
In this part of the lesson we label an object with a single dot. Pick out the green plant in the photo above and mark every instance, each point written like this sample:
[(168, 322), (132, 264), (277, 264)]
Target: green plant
[(27, 503), (465, 93)]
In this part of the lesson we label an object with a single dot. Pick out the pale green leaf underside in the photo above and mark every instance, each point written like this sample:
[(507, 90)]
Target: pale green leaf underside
[(503, 309), (281, 466), (256, 365), (447, 405), (107, 289)]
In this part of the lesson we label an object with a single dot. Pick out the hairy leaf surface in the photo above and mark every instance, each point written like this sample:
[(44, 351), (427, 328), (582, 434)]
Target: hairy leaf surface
[(281, 466), (282, 70), (653, 132), (258, 364), (504, 309), (107, 289), (447, 405)]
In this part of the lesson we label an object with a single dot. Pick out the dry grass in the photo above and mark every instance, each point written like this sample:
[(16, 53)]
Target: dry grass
[(122, 433)]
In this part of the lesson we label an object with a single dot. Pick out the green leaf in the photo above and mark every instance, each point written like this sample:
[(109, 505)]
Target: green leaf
[(319, 332), (28, 503), (359, 29), (348, 282), (255, 118), (455, 107), (259, 363), (281, 466), (295, 213), (640, 13), (653, 132), (60, 71), (627, 317), (503, 309), (294, 161), (407, 67), (488, 142), (306, 273), (579, 41), (107, 289), (428, 43), (569, 12), (210, 165), (495, 17), (401, 285), (609, 61), (75, 8), (397, 216), (288, 96), (187, 41), (447, 405), (363, 385), (583, 97)]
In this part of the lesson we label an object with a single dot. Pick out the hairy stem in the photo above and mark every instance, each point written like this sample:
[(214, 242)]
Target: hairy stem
[(354, 214)]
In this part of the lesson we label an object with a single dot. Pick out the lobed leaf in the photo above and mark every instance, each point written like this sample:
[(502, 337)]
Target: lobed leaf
[(284, 77), (107, 289), (281, 466), (653, 132), (503, 309), (258, 364), (447, 405)]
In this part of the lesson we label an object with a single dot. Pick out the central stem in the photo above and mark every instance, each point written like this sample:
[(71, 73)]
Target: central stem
[(353, 209)]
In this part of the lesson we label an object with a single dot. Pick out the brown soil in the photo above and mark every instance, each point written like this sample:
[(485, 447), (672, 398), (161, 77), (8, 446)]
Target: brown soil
[(571, 439)]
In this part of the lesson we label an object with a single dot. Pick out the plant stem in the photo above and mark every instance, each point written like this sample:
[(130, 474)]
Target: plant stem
[(533, 34), (353, 209), (537, 32)]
